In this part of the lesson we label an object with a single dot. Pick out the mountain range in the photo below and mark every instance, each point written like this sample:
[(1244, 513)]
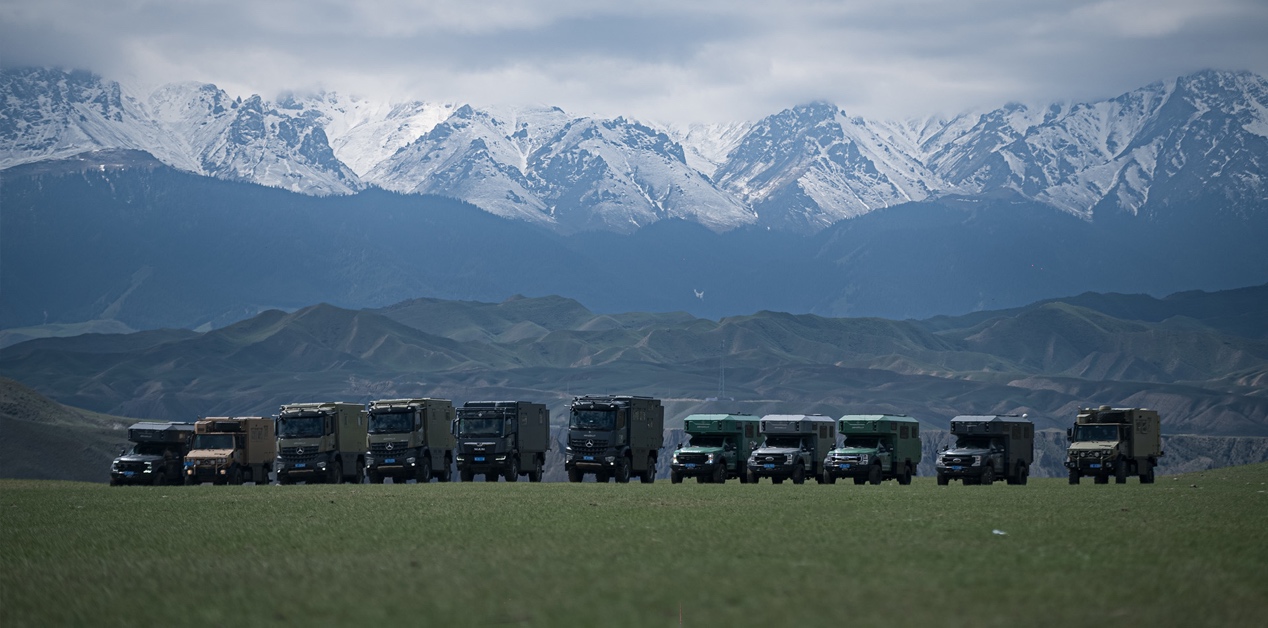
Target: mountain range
[(1192, 144)]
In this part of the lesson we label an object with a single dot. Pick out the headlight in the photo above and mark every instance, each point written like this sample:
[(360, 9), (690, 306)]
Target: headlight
[(863, 459), (675, 456), (321, 465), (610, 459), (977, 461), (710, 457), (568, 449), (410, 460), (149, 466)]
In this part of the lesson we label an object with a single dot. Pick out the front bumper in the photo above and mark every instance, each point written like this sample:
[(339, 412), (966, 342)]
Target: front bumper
[(301, 469), (961, 471), (772, 470), (1091, 467), (696, 469), (206, 473), (590, 462), (483, 463), (847, 469), (133, 477)]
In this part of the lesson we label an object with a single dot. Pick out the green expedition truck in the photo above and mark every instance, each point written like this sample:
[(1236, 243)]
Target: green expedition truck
[(719, 449), (614, 437), (1116, 442), (795, 446), (409, 439), (320, 442), (502, 439), (877, 447)]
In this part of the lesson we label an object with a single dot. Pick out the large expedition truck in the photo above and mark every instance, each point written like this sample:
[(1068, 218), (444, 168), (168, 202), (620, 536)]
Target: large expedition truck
[(1114, 442), (320, 442), (157, 453), (614, 437), (795, 447), (409, 439), (231, 450), (988, 447), (876, 447), (719, 448), (502, 439)]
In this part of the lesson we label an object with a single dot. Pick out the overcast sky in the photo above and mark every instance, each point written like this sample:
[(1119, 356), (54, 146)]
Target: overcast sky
[(668, 61)]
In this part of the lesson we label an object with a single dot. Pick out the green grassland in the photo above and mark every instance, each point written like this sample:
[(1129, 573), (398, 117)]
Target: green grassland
[(1189, 550)]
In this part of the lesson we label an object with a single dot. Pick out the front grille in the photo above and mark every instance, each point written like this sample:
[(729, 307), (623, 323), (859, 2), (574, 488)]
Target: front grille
[(960, 460), (204, 471), (771, 458), (693, 458), (380, 449), (138, 467), (588, 446), (291, 454)]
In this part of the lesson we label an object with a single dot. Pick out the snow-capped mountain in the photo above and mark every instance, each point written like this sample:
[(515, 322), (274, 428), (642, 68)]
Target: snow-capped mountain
[(1166, 145)]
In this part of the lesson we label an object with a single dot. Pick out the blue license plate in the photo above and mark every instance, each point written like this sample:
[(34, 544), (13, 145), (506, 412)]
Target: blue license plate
[(1095, 465), (481, 458), (389, 461), (845, 466), (769, 466), (300, 465), (956, 468), (129, 473), (587, 457), (690, 465)]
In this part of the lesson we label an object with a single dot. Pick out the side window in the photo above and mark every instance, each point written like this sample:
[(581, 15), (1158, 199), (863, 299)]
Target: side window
[(915, 431), (620, 419), (903, 433), (1017, 431)]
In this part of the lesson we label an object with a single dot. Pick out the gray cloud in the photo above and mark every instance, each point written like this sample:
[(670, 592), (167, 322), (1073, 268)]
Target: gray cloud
[(709, 60)]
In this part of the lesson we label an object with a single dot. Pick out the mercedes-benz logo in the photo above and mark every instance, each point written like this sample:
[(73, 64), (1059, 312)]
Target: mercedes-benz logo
[(589, 443), (389, 446), (299, 452)]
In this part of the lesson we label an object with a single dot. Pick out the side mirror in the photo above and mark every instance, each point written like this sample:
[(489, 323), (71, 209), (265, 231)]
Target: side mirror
[(1069, 432), (679, 446)]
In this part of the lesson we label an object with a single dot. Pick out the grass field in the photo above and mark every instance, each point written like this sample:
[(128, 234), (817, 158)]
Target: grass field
[(1189, 551)]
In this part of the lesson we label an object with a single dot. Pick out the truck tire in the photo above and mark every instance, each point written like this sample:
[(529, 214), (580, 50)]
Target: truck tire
[(536, 474), (943, 480), (874, 475), (799, 475), (1023, 473), (988, 476), (466, 475), (1074, 476), (828, 477), (158, 479), (422, 473), (446, 474), (752, 477), (622, 471), (675, 476), (719, 474), (1147, 476), (1120, 471), (905, 478), (575, 475), (513, 468), (235, 476), (649, 472)]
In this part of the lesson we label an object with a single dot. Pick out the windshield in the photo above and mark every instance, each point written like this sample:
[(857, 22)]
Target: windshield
[(973, 442), (708, 440), (783, 441), (213, 441), (480, 427), (862, 442), (300, 427), (604, 420), (148, 449), (1095, 432), (391, 422)]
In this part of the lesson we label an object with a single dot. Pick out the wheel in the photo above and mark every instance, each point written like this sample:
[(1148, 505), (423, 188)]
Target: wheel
[(905, 478), (752, 477), (743, 476), (422, 474), (1147, 476), (235, 476), (829, 478), (536, 474), (446, 474), (943, 480), (719, 474), (157, 480), (1023, 474), (335, 476), (575, 476), (623, 471), (988, 476), (1074, 476), (1120, 471), (799, 475), (859, 480), (874, 475), (189, 481), (513, 468), (675, 476), (466, 475), (649, 472)]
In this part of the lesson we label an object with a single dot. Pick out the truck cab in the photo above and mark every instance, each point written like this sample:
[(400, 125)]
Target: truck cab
[(876, 447), (504, 439), (409, 439), (988, 447), (231, 450), (719, 449), (320, 442), (1110, 442), (614, 437), (156, 455), (794, 447)]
